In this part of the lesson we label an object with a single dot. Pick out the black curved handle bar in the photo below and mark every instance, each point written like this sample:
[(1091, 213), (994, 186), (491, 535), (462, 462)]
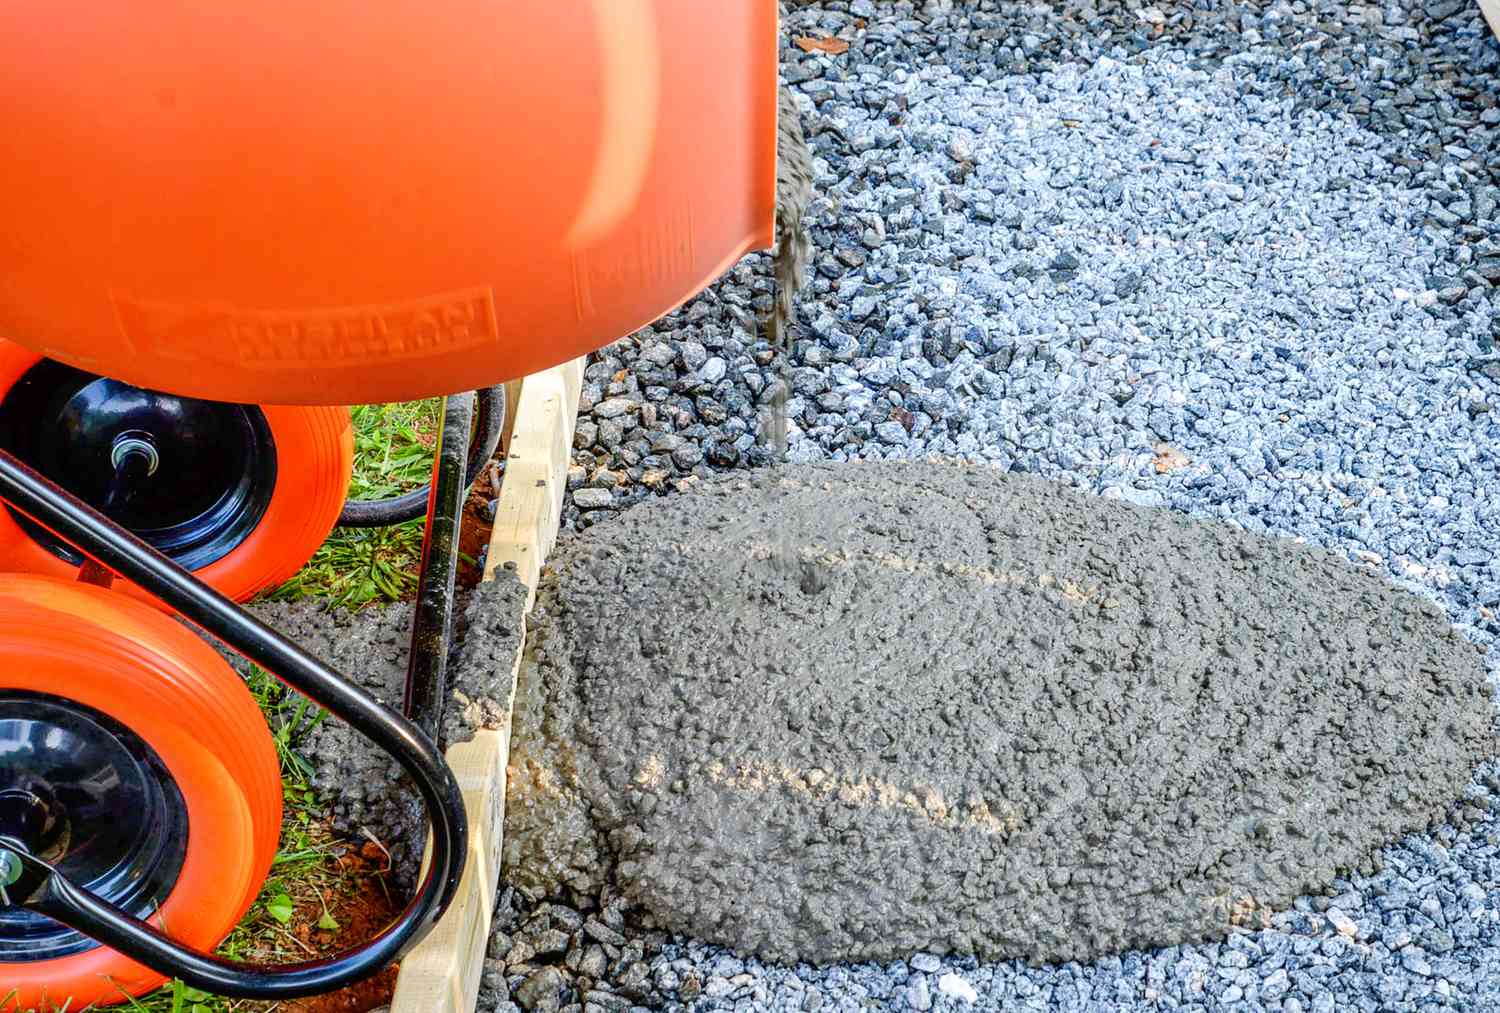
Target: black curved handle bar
[(51, 894)]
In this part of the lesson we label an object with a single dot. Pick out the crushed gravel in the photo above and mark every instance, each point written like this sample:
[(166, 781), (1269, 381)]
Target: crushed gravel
[(1311, 355), (1282, 315), (1004, 244)]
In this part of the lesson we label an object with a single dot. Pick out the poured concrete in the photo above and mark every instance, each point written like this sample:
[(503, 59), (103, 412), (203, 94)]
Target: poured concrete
[(856, 711), (369, 795)]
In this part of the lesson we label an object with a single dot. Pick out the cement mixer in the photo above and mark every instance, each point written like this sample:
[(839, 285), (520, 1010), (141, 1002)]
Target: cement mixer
[(219, 224)]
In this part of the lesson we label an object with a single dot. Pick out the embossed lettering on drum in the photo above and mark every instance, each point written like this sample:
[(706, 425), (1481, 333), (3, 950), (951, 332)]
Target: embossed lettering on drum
[(344, 336), (664, 252)]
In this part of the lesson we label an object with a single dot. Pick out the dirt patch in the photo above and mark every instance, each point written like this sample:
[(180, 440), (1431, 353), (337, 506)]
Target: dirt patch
[(362, 911), (476, 526)]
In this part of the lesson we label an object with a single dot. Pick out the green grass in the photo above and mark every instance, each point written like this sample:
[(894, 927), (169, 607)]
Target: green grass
[(356, 567)]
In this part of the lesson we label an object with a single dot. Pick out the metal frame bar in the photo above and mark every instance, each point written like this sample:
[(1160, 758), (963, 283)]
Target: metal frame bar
[(442, 975), (432, 620), (43, 889)]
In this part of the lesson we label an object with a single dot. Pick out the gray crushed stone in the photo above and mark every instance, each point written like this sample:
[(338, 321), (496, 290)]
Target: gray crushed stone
[(1397, 471), (371, 798), (872, 709), (1023, 232)]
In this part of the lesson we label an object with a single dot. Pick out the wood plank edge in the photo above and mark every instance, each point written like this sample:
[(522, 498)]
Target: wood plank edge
[(442, 973)]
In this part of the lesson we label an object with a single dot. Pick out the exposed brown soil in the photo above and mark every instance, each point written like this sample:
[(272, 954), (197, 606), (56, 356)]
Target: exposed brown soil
[(474, 530), (361, 912)]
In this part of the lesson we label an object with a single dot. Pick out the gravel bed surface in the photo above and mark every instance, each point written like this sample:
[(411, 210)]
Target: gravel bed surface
[(1235, 259)]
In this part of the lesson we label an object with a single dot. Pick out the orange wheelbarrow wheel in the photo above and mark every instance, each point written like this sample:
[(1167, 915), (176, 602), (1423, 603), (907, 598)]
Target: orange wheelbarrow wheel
[(135, 761), (242, 495)]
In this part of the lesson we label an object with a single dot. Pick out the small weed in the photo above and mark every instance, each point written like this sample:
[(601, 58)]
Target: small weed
[(305, 867)]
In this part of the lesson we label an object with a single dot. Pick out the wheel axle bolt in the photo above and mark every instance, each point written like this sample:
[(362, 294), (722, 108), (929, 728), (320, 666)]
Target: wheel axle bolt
[(10, 871), (134, 444)]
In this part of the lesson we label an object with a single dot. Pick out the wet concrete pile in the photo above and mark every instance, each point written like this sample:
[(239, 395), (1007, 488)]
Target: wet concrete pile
[(369, 794), (852, 712)]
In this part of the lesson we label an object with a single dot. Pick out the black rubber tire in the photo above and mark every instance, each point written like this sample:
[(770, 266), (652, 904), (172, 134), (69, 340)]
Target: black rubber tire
[(489, 420)]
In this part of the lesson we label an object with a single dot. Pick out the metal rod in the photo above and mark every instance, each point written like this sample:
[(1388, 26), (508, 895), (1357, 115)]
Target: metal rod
[(132, 466), (490, 414), (432, 619), (52, 894)]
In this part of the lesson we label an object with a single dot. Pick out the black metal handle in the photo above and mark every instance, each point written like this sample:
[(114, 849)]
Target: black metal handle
[(56, 897)]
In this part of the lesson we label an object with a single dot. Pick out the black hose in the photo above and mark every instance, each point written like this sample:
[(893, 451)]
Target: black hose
[(489, 420)]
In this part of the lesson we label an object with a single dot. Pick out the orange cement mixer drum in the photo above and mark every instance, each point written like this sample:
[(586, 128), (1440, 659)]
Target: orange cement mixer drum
[(371, 200)]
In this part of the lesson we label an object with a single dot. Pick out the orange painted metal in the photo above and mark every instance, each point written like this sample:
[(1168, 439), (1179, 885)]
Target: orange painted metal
[(314, 462), (352, 201), (167, 685)]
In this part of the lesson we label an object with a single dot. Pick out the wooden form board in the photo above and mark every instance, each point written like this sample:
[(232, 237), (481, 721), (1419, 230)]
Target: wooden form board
[(441, 975), (536, 471), (1491, 10)]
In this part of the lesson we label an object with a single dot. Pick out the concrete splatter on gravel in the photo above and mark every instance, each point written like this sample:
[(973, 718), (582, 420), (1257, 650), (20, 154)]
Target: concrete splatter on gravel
[(369, 794), (982, 714)]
